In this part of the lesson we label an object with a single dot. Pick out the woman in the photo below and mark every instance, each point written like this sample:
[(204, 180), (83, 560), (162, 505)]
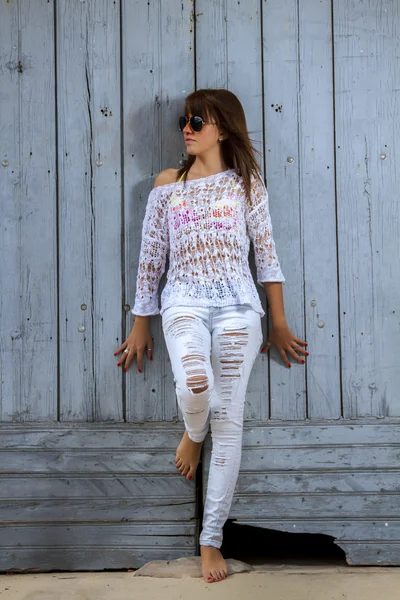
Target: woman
[(204, 216)]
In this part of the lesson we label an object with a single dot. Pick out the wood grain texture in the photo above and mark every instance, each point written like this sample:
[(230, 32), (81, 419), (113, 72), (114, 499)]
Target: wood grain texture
[(100, 510), (367, 81), (339, 528), (87, 558), (371, 553), (28, 242), (136, 510), (334, 479), (281, 116), (318, 218), (158, 49), (94, 90), (89, 196), (121, 534)]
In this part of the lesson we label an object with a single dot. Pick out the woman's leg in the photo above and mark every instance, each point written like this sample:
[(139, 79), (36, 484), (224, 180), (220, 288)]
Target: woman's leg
[(188, 340), (236, 340)]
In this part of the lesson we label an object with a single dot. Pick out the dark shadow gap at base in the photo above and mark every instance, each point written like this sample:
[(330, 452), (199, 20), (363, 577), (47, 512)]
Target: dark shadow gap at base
[(256, 545)]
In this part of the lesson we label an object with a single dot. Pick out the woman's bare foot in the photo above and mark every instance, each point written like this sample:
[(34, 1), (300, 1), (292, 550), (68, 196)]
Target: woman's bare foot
[(188, 456), (213, 564)]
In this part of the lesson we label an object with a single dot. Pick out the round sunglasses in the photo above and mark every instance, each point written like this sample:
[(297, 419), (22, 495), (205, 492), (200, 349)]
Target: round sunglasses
[(196, 123)]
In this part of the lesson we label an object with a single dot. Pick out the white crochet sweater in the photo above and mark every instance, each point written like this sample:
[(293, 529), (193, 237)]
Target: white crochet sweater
[(205, 225)]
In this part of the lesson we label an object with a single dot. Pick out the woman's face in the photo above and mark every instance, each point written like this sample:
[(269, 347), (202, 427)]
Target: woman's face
[(199, 142)]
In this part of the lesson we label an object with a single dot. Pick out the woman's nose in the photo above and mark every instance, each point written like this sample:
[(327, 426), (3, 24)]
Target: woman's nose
[(187, 128)]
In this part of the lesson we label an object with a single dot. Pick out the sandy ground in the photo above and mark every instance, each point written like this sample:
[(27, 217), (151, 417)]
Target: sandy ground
[(277, 583)]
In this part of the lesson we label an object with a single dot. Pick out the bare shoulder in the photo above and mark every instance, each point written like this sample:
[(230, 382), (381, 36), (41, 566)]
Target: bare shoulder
[(166, 176)]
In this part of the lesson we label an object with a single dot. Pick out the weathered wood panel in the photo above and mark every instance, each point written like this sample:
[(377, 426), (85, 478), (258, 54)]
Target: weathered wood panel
[(137, 485), (341, 529), (101, 510), (318, 218), (338, 479), (281, 116), (28, 266), (121, 534), (235, 63), (67, 492), (367, 81), (158, 48), (89, 160), (81, 507), (86, 558), (318, 482), (371, 553), (319, 505), (161, 435)]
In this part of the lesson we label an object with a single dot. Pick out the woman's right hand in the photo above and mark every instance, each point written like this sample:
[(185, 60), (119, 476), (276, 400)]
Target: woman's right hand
[(136, 342)]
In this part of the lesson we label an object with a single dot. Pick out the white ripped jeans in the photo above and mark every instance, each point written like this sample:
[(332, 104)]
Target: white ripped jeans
[(212, 352)]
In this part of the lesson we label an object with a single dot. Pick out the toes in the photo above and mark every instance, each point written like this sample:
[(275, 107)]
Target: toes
[(178, 462)]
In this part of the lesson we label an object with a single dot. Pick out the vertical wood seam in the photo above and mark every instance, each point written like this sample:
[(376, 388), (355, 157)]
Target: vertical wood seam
[(264, 164), (92, 213), (336, 208), (194, 17), (300, 198), (124, 299), (57, 210)]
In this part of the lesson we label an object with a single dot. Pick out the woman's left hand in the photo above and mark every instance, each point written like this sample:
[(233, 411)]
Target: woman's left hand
[(287, 343)]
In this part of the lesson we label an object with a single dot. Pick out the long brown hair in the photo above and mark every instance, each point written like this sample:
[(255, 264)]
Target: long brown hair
[(227, 111)]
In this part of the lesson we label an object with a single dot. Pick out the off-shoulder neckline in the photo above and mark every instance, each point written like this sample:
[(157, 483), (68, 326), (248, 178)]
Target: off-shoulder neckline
[(214, 175)]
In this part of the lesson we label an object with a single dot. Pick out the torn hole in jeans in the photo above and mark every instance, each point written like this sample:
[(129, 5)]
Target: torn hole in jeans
[(193, 363), (232, 343)]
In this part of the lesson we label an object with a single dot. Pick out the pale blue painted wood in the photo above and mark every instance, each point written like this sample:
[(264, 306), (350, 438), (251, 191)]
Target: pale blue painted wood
[(158, 48), (89, 217), (235, 62), (65, 496), (28, 244), (318, 218), (337, 479), (105, 96), (281, 114), (367, 80)]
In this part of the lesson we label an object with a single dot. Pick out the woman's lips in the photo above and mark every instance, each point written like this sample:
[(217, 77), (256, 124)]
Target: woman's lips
[(189, 141)]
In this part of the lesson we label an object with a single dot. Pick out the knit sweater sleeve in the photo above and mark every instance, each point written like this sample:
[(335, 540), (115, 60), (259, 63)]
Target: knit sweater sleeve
[(153, 253), (259, 228)]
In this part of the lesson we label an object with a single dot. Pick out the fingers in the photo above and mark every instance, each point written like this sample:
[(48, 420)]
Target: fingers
[(150, 347), (284, 357), (300, 341), (126, 358), (291, 350), (293, 353), (299, 348), (140, 360)]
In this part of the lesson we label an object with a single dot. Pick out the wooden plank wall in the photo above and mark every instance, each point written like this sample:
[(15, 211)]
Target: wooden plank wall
[(90, 93), (28, 268), (315, 107), (367, 84)]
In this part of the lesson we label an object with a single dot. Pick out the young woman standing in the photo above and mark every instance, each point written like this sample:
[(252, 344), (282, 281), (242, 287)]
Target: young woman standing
[(204, 216)]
